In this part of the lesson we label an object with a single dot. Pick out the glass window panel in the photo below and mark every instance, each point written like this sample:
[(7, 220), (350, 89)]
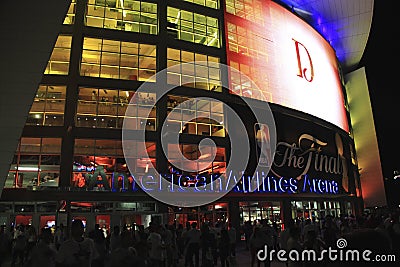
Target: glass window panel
[(129, 61), (173, 78), (111, 46), (190, 73), (200, 59), (118, 66), (181, 110), (109, 72), (173, 54), (207, 3), (188, 69), (34, 157), (30, 145), (48, 106), (109, 59), (129, 48), (128, 74), (105, 108), (59, 59), (91, 57), (136, 16), (187, 23), (147, 50), (186, 15)]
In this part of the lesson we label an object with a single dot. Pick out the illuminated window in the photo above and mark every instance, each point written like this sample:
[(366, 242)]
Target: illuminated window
[(248, 9), (208, 116), (106, 159), (59, 59), (314, 209), (70, 17), (118, 60), (252, 211), (246, 82), (48, 106), (208, 3), (106, 108), (201, 71), (193, 27), (35, 163), (123, 15)]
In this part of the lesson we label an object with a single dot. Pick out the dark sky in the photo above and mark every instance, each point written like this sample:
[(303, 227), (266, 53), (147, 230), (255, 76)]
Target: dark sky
[(382, 68)]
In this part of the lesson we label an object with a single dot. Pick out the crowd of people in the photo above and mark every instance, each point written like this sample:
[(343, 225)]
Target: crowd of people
[(154, 246), (194, 245), (377, 231)]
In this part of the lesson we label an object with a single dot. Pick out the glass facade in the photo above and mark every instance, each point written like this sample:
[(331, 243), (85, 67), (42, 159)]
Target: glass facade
[(208, 3), (198, 70), (106, 108), (36, 163), (48, 106), (118, 60), (253, 212), (251, 10), (247, 42), (59, 59), (193, 27), (101, 165), (252, 81), (105, 51), (70, 17), (128, 15), (182, 109), (319, 209)]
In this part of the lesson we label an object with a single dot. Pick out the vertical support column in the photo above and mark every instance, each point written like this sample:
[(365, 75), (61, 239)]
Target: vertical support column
[(67, 145), (69, 217), (115, 218), (161, 111), (286, 212), (223, 57), (36, 219), (343, 210), (234, 216)]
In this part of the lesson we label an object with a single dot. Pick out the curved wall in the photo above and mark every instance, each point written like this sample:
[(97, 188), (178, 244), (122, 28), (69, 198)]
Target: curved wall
[(292, 64)]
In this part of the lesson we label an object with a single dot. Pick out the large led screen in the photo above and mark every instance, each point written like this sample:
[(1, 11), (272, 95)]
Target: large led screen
[(290, 62)]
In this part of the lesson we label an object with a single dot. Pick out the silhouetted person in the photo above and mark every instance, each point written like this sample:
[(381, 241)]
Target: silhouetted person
[(115, 239), (224, 248), (232, 239), (4, 244), (293, 243), (78, 250), (193, 245), (44, 252), (248, 230), (156, 246), (20, 243)]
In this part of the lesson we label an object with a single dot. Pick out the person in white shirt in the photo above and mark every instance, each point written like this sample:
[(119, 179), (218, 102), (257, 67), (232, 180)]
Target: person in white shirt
[(78, 250), (156, 246)]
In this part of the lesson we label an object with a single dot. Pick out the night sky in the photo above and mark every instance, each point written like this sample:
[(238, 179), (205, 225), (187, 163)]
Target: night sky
[(381, 66)]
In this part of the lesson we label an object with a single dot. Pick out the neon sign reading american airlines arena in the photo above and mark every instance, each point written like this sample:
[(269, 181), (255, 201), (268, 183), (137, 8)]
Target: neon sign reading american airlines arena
[(267, 184)]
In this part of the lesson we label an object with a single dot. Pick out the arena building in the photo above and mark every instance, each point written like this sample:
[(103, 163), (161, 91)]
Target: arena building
[(74, 68)]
